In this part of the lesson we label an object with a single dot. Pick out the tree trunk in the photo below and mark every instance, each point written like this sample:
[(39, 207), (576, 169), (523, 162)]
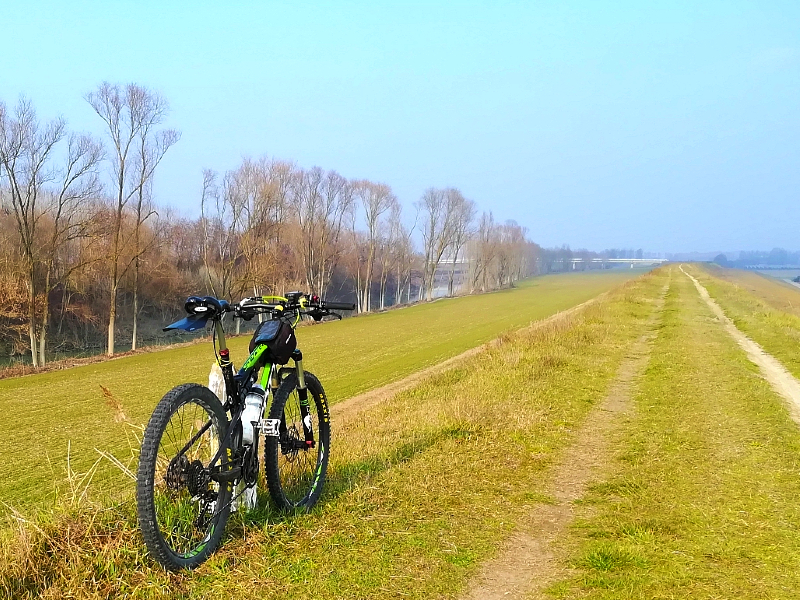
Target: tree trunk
[(32, 323), (135, 298), (398, 288), (63, 308), (452, 276), (45, 321), (260, 315), (359, 298), (112, 318), (429, 290)]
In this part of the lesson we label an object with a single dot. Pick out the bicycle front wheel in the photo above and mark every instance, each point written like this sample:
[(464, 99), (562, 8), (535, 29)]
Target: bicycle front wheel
[(295, 465), (182, 511)]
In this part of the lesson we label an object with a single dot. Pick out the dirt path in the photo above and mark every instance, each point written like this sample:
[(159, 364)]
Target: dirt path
[(773, 371), (342, 411), (527, 563)]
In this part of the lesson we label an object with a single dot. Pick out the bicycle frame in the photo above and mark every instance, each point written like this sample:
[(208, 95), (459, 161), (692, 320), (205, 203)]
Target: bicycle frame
[(236, 388)]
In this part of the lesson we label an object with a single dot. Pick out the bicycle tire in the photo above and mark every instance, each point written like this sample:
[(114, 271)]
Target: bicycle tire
[(295, 477), (173, 496)]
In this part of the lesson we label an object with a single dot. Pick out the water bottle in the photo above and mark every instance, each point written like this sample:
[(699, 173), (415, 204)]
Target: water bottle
[(253, 410)]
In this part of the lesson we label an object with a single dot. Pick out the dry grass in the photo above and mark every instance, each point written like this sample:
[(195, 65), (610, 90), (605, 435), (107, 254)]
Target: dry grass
[(777, 294)]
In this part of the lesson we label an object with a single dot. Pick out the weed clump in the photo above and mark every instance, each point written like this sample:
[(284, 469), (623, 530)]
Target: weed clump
[(73, 551)]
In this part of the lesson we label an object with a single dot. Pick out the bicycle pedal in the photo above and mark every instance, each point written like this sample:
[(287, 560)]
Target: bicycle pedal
[(270, 427)]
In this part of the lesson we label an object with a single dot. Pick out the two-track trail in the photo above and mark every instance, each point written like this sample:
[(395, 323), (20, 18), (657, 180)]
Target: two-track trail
[(528, 562), (783, 382)]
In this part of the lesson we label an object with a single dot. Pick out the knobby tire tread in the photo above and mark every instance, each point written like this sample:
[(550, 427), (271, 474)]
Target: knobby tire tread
[(145, 502), (272, 448)]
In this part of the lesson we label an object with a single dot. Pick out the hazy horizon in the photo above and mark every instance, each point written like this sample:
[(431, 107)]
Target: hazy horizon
[(671, 129)]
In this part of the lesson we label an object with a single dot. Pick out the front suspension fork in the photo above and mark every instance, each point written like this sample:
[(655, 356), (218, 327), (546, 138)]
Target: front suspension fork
[(302, 393)]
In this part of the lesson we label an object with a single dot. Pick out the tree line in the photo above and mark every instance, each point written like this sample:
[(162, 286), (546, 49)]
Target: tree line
[(776, 257), (89, 260)]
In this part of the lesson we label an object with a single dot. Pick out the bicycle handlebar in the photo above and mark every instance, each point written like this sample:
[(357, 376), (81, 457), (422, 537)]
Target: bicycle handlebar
[(337, 305), (247, 307)]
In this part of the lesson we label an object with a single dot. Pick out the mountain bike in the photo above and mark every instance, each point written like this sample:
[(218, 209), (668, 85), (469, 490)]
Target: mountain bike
[(200, 457)]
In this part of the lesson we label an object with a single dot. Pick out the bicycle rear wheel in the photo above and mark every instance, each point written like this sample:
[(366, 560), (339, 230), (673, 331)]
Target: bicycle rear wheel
[(295, 469), (182, 512)]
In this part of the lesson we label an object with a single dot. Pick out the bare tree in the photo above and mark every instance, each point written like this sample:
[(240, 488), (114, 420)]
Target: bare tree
[(307, 209), (151, 148), (376, 199), (511, 253), (321, 204), (263, 188), (484, 252), (25, 151), (438, 209), (39, 190), (463, 215), (70, 220), (128, 113), (403, 251), (222, 218), (388, 237)]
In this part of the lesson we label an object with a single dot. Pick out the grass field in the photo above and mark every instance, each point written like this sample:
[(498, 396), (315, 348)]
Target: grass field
[(698, 499), (702, 500), (421, 489), (44, 413)]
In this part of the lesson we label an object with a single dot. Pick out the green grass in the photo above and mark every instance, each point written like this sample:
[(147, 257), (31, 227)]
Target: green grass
[(702, 498), (44, 413), (768, 311), (421, 489)]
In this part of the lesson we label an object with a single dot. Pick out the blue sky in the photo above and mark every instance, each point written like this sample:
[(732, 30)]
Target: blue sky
[(595, 124)]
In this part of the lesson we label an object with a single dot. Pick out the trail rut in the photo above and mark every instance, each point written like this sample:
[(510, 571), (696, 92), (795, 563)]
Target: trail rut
[(527, 563), (783, 382)]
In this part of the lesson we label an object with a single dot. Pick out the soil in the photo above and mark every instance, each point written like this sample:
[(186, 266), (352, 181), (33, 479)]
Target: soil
[(783, 382)]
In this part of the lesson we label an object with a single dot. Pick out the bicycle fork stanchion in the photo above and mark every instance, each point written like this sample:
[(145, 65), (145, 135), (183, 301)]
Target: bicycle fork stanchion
[(302, 393)]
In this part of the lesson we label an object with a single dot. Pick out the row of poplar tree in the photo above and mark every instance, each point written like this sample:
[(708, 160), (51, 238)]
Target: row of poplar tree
[(89, 261)]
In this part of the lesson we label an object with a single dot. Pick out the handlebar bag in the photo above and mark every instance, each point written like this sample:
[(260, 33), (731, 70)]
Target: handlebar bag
[(279, 337)]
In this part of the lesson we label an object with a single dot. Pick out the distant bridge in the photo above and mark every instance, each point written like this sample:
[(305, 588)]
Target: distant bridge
[(629, 261), (633, 261)]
